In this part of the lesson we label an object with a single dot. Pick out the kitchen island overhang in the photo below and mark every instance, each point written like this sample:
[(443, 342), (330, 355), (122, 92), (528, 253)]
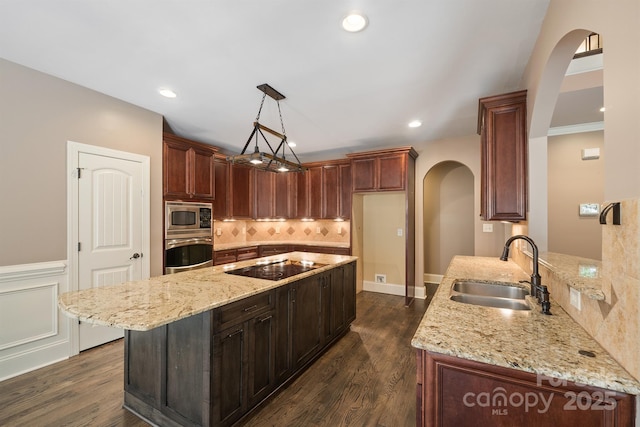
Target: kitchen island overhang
[(146, 304), (206, 348)]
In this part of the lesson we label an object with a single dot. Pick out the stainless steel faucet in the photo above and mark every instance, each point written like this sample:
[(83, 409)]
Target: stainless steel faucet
[(538, 290)]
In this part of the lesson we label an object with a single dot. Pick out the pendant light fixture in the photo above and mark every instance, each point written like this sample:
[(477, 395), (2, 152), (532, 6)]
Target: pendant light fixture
[(272, 160)]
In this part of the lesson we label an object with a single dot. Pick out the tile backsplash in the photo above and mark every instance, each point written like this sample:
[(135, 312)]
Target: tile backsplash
[(319, 231), (615, 321)]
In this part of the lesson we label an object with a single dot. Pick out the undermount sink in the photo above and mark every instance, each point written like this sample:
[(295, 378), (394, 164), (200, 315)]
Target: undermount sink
[(490, 294), (489, 289)]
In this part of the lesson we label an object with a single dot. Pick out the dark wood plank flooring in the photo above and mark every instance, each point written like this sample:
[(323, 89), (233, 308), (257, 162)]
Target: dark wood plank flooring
[(365, 379)]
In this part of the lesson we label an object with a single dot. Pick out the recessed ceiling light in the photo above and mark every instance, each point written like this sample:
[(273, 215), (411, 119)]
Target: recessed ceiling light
[(168, 93), (415, 124), (354, 22), (291, 144), (602, 110)]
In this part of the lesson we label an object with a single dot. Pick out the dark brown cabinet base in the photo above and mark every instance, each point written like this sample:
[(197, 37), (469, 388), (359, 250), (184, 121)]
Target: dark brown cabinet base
[(458, 392), (214, 368)]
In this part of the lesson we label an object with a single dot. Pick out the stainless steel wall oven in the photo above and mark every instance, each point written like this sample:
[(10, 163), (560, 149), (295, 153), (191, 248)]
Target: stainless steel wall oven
[(188, 236)]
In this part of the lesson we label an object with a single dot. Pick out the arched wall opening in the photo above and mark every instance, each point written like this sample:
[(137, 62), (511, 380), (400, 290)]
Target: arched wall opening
[(449, 220), (542, 104)]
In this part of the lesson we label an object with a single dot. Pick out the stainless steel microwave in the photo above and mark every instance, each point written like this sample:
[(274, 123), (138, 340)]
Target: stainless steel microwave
[(187, 220)]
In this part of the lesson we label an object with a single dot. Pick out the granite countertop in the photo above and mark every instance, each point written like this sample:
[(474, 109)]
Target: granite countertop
[(146, 304), (582, 274), (224, 246), (525, 340)]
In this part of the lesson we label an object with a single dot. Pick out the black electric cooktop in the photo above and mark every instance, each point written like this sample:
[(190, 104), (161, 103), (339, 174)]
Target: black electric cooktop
[(276, 270)]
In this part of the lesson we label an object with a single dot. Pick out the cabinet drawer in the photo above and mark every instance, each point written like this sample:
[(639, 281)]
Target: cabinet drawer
[(247, 253), (244, 309), (224, 256)]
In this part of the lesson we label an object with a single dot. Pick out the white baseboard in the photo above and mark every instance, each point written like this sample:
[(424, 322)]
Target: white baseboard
[(36, 332), (432, 278), (391, 289)]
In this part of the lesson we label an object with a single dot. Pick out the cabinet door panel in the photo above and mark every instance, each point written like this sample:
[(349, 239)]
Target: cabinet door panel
[(364, 174), (345, 192), (176, 170), (203, 175), (265, 185), (330, 182), (221, 207), (240, 191), (283, 333), (229, 398), (284, 194), (305, 301), (261, 373), (392, 172), (315, 192)]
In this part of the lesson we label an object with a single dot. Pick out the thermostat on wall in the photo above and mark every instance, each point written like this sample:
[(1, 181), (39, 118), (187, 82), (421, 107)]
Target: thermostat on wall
[(590, 153)]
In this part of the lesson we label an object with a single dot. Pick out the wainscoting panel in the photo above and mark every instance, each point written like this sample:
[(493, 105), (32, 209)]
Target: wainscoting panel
[(33, 331)]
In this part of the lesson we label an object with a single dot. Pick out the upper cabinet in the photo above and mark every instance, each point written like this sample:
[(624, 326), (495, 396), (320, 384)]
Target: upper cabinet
[(234, 190), (324, 191), (502, 127), (188, 169), (382, 170), (274, 194)]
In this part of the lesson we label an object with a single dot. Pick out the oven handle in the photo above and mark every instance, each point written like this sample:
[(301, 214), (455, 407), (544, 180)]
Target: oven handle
[(171, 270), (176, 243)]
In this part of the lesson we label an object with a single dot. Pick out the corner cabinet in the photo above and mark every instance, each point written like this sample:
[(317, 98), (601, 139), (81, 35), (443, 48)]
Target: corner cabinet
[(187, 169), (502, 127)]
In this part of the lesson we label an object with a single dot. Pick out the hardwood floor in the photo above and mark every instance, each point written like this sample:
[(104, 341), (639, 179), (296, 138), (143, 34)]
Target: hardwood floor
[(365, 379)]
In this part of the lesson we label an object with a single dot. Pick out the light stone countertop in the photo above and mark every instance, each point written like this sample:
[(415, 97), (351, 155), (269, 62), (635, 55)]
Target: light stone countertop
[(525, 340), (146, 304)]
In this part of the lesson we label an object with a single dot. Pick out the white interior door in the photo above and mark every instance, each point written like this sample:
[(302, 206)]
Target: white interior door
[(110, 230)]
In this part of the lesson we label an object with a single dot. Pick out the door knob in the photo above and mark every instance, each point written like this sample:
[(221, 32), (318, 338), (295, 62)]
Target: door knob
[(136, 256)]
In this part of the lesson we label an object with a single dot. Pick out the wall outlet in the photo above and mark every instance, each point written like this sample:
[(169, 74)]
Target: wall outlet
[(318, 230), (574, 299), (487, 228), (218, 231), (399, 232), (277, 230), (381, 278)]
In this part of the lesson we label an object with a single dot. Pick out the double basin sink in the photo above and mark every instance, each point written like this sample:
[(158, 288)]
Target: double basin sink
[(490, 294)]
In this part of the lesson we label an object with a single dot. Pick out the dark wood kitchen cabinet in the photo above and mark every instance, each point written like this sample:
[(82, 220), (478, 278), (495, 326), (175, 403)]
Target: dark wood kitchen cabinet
[(336, 190), (188, 172), (324, 191), (234, 186), (382, 170), (243, 356), (309, 193), (502, 123), (274, 194), (456, 392), (213, 368)]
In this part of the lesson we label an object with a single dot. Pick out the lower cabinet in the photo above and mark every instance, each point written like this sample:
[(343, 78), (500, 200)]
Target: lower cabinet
[(213, 368), (458, 392)]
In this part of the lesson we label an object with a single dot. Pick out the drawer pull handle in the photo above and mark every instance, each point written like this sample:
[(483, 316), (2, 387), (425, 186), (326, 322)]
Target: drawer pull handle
[(253, 307), (239, 331), (265, 319)]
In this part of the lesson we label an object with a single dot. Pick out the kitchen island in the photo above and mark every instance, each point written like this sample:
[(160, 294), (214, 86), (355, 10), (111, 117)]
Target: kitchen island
[(205, 347), (481, 365)]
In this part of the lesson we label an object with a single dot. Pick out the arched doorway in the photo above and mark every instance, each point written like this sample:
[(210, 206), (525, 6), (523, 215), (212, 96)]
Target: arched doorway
[(448, 216)]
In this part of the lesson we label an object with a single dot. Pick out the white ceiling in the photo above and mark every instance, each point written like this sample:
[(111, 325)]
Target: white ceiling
[(345, 92)]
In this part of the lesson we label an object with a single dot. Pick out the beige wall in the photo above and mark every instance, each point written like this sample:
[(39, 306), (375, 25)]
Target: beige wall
[(38, 115), (448, 215), (573, 181), (383, 251), (466, 151), (614, 324)]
